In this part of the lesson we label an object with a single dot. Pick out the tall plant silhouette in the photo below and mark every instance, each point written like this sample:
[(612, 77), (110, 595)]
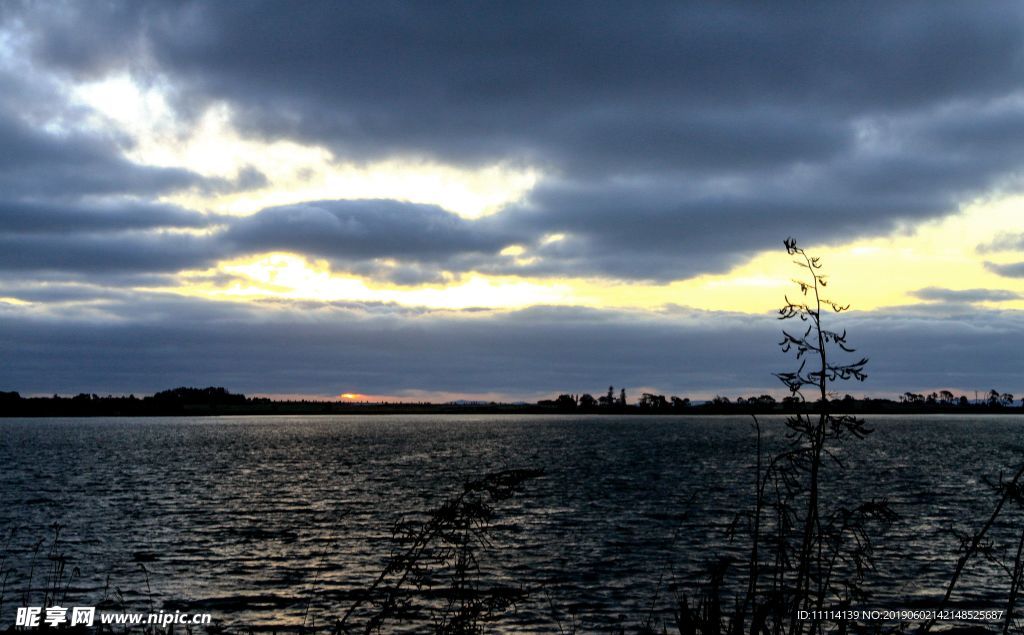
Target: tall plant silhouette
[(803, 552), (814, 432)]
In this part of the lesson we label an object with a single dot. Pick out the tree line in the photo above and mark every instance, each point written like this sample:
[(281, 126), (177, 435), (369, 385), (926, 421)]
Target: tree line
[(935, 402)]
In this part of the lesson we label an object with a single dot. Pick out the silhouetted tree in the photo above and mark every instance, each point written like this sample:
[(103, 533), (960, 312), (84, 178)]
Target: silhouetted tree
[(650, 401), (609, 399), (912, 398), (994, 398), (565, 402), (198, 396)]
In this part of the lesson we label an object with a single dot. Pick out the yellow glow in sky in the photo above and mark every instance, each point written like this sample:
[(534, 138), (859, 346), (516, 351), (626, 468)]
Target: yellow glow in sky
[(290, 276), (885, 271), (295, 172), (868, 274)]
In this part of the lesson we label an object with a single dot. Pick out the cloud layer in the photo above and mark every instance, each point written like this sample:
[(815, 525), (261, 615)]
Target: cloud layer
[(674, 140), (148, 343), (670, 141)]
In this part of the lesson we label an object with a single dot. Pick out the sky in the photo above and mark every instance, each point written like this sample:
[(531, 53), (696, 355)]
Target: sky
[(433, 201)]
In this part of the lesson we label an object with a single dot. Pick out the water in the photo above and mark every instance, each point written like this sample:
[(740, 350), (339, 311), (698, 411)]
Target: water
[(254, 519)]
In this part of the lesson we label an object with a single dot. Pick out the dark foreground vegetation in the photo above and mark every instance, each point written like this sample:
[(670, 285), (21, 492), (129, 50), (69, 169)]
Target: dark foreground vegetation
[(215, 401)]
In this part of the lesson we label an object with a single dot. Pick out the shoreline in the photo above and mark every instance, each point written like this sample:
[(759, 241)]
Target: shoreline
[(328, 408)]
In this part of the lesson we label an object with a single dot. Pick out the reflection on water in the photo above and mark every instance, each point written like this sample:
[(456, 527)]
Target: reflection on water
[(250, 519)]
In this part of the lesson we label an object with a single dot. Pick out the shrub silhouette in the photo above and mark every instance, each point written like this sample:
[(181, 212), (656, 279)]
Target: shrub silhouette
[(441, 553)]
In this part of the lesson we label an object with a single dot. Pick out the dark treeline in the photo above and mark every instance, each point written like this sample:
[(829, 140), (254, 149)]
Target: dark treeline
[(211, 401), (219, 401), (908, 402)]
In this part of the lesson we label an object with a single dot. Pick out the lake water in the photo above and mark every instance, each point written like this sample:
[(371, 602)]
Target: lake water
[(253, 519)]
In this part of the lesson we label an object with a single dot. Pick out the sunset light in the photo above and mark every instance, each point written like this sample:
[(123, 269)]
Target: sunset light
[(466, 318)]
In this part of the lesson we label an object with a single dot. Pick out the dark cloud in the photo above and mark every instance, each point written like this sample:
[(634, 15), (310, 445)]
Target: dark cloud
[(71, 203), (126, 252), (662, 230), (248, 178), (465, 81), (49, 153), (937, 294), (45, 292), (146, 343), (51, 218), (675, 139), (404, 243), (1009, 244), (37, 163), (103, 239), (358, 230), (1011, 270), (1003, 242)]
